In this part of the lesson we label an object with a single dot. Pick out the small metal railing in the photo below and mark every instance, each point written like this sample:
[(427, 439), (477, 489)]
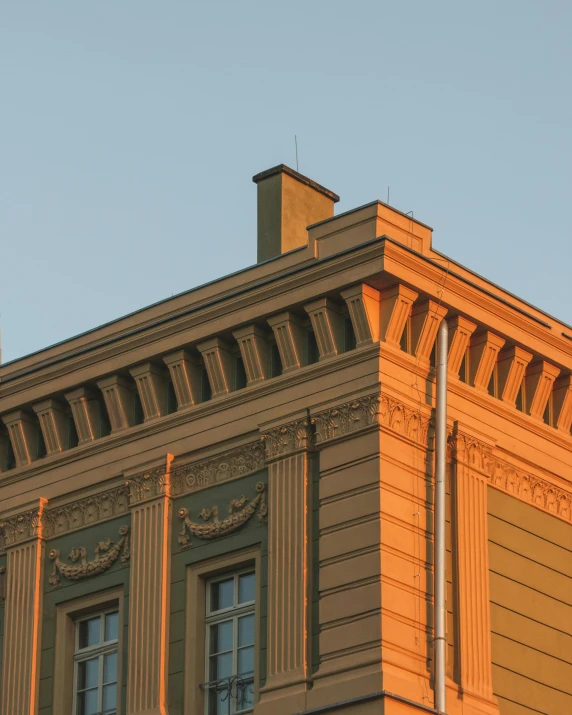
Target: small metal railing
[(229, 696)]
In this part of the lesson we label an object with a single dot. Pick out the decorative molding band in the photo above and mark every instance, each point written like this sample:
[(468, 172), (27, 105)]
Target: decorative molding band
[(86, 569), (346, 418), (85, 512), (24, 526), (288, 438), (239, 514), (512, 480), (238, 462), (411, 423), (148, 485)]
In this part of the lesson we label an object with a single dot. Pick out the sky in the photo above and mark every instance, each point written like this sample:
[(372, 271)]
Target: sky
[(130, 131)]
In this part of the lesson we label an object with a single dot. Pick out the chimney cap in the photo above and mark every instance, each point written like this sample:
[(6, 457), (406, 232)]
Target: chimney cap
[(283, 169)]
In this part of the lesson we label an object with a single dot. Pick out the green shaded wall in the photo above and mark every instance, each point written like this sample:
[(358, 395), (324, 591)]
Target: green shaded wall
[(117, 575), (251, 534)]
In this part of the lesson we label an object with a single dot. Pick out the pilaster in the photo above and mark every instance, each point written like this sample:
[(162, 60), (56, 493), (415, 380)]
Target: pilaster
[(118, 396), (289, 335), (512, 364), (152, 388), (289, 563), (363, 305), (471, 457), (23, 432), (254, 351), (24, 568), (150, 505), (483, 352), (539, 379), (86, 411), (425, 320), (396, 305), (460, 331), (186, 378), (218, 363), (563, 403), (52, 417), (327, 325)]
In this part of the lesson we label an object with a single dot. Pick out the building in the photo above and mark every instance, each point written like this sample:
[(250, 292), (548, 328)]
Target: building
[(224, 501)]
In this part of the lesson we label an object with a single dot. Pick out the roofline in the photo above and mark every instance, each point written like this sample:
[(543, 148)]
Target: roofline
[(377, 202)]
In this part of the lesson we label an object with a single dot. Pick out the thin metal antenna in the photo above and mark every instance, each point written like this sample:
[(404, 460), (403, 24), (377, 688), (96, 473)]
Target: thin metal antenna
[(388, 195), (296, 143)]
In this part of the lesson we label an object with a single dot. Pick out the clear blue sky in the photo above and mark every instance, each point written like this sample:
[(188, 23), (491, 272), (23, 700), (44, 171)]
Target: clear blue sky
[(130, 130)]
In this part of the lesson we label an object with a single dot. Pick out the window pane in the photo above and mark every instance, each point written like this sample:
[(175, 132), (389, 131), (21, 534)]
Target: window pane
[(111, 626), (87, 702), (90, 632), (221, 637), (219, 701), (246, 630), (109, 697), (246, 588), (88, 673), (245, 695), (222, 595), (221, 666), (246, 660), (110, 668)]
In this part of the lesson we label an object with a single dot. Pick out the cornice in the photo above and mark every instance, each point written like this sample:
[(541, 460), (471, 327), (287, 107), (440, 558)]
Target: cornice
[(232, 464), (480, 456), (304, 277), (472, 294), (193, 412)]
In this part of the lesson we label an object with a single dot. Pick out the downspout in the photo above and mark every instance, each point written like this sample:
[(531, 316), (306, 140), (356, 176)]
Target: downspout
[(439, 642)]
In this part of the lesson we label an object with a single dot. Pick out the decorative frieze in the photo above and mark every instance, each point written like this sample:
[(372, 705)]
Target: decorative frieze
[(106, 554), (148, 485), (84, 512), (339, 421), (288, 438), (238, 462), (289, 335), (239, 513), (25, 526), (516, 482), (363, 305)]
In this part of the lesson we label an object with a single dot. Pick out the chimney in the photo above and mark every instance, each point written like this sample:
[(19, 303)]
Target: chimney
[(288, 202)]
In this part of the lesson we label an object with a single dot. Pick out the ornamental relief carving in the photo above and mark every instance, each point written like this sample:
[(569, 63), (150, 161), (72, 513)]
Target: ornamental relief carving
[(148, 485), (235, 463), (346, 418), (400, 418), (87, 511), (106, 554), (288, 438), (21, 527), (516, 482), (240, 511)]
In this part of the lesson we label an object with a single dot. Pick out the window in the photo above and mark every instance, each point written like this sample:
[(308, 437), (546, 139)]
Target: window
[(229, 647), (96, 664)]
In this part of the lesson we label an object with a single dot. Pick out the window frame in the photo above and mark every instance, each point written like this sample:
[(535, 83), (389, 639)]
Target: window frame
[(67, 615), (232, 613), (198, 575), (101, 649)]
